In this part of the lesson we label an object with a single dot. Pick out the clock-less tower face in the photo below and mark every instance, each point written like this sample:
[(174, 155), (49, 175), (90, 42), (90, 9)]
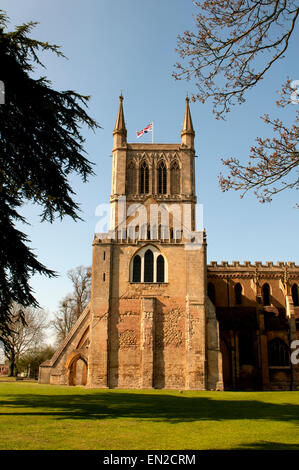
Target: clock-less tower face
[(148, 300), (148, 323), (147, 174)]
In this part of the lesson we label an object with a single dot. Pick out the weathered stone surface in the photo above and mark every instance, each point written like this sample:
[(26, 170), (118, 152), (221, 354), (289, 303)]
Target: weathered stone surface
[(189, 331)]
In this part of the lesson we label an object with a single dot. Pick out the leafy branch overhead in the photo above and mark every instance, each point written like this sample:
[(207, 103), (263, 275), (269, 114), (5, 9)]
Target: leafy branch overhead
[(41, 145), (235, 44)]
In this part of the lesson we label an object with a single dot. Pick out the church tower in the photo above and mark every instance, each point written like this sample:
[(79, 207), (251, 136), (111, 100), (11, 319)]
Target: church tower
[(151, 324), (151, 321)]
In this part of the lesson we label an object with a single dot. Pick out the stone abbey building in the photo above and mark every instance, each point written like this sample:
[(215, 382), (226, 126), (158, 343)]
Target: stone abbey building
[(159, 315)]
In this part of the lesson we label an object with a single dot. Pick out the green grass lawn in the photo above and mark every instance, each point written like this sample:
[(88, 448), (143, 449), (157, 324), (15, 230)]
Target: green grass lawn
[(34, 416)]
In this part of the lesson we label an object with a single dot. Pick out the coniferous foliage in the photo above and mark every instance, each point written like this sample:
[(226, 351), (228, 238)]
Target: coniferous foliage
[(41, 145)]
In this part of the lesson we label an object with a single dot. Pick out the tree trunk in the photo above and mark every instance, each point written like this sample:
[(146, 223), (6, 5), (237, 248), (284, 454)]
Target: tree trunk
[(13, 372)]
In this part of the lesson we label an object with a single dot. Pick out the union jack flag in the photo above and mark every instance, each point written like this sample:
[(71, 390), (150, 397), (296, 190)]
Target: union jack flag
[(147, 129)]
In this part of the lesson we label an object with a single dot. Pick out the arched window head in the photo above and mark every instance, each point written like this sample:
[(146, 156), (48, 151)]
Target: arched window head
[(278, 353), (238, 293), (131, 178), (175, 178), (266, 294), (295, 295), (144, 178), (162, 178), (137, 269), (211, 292)]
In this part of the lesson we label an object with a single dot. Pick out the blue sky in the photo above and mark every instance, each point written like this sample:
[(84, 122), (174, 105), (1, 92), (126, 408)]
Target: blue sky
[(130, 45)]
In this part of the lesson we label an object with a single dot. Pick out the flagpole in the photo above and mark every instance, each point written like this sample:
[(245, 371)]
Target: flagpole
[(153, 132)]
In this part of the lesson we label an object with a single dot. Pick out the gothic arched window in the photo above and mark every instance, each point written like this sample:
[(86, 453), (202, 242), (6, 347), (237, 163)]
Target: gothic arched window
[(278, 353), (131, 178), (266, 294), (144, 178), (238, 293), (295, 295), (162, 178), (211, 292), (175, 178), (149, 266), (160, 269), (137, 269)]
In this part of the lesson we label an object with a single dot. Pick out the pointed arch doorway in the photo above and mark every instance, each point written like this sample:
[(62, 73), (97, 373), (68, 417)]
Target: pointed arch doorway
[(78, 371)]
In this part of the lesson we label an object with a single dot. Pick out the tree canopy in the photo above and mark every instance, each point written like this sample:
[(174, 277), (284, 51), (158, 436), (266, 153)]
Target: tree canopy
[(41, 145), (234, 45)]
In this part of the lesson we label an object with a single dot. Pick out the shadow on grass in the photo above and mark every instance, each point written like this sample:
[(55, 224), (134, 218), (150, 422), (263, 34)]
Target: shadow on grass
[(173, 409), (268, 445)]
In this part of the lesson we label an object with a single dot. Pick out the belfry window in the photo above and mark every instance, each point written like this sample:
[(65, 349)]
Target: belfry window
[(162, 178), (278, 353), (238, 293), (295, 295), (266, 294), (144, 178), (149, 265), (175, 178)]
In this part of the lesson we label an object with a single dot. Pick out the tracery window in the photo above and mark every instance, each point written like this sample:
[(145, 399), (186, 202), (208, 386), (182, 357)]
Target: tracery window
[(162, 178), (175, 178), (278, 353), (144, 178), (148, 265)]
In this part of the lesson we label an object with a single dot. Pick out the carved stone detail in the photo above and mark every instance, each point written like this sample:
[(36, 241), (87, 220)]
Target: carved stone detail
[(168, 331), (128, 339)]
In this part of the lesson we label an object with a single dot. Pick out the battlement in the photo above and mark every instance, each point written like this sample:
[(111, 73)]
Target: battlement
[(256, 264)]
